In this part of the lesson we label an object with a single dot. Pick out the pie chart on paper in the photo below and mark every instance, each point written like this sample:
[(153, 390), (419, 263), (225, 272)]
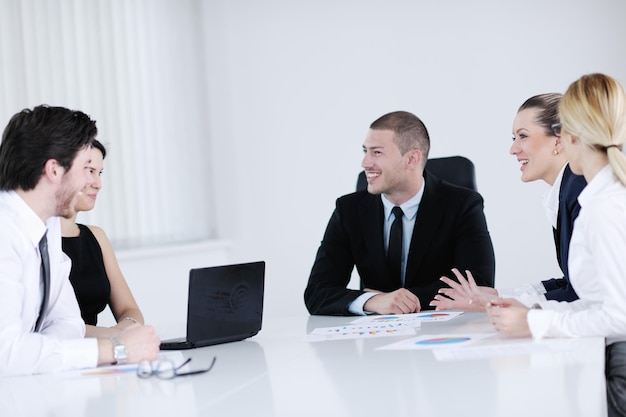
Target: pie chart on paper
[(443, 341)]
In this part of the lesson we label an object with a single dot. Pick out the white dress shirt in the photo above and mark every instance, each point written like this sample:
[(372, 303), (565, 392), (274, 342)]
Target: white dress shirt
[(60, 344), (409, 208), (597, 267), (550, 200)]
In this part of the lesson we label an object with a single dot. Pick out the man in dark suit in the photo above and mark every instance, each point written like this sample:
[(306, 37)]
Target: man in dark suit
[(442, 227)]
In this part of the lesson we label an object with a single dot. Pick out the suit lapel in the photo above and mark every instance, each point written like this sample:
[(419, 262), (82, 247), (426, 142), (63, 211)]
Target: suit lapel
[(567, 172), (428, 219), (371, 215)]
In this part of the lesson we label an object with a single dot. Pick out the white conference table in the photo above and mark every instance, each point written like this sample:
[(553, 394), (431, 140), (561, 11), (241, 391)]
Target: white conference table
[(280, 373)]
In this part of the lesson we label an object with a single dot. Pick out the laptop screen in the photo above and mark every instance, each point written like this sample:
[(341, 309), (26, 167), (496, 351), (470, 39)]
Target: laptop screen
[(225, 302)]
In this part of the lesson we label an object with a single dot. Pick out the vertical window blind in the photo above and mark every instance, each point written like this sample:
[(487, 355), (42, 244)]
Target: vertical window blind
[(137, 68)]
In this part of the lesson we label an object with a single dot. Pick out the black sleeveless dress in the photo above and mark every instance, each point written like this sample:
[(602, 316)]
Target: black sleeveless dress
[(88, 276)]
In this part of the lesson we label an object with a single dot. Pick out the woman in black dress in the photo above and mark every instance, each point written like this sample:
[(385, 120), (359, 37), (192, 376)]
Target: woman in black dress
[(96, 275)]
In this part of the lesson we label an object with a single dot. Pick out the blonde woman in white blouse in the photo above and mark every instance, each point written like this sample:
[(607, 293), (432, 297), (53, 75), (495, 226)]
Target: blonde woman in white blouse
[(593, 131)]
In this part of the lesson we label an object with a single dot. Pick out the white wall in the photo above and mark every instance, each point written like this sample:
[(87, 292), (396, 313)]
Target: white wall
[(293, 86)]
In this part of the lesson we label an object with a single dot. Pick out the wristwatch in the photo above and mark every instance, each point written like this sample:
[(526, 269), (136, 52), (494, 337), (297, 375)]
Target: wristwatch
[(119, 351)]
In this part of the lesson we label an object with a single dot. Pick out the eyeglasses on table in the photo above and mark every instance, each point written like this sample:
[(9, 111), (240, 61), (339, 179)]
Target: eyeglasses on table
[(165, 369)]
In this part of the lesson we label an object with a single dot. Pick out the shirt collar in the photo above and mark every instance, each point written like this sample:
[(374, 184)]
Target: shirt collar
[(32, 225), (604, 177), (551, 198), (409, 207)]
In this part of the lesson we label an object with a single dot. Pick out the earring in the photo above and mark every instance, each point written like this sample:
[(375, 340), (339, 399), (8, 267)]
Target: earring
[(555, 152)]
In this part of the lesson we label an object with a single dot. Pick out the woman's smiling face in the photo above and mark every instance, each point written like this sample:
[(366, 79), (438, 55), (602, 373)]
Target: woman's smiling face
[(534, 148), (87, 200)]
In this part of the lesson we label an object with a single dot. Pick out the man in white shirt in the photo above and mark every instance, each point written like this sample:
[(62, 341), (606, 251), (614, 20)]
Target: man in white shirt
[(44, 160)]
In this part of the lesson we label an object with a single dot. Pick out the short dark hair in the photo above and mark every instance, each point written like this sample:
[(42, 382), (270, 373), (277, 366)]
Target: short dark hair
[(547, 106), (32, 137), (99, 146), (410, 132)]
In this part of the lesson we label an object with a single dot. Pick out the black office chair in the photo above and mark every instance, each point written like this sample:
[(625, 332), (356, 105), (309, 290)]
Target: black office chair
[(457, 170)]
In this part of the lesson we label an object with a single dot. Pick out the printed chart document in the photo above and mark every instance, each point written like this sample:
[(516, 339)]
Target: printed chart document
[(412, 319), (381, 326), (176, 357), (437, 341), (360, 331), (507, 348)]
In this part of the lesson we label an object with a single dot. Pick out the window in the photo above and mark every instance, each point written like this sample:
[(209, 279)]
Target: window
[(137, 69)]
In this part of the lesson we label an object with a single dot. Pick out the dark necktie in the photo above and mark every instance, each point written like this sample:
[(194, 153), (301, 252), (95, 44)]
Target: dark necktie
[(394, 253), (45, 277)]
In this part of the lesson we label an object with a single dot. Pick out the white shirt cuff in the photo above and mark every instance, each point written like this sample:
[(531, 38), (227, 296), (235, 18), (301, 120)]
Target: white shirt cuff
[(80, 353), (528, 294), (539, 322), (356, 307)]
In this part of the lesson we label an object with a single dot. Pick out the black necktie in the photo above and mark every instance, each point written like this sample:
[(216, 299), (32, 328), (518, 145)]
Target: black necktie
[(45, 277), (394, 253)]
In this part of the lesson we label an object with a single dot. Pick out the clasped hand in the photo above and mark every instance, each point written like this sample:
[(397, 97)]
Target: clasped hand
[(401, 301), (509, 317)]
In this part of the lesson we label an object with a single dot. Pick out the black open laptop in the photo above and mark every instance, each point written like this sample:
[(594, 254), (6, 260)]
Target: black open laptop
[(225, 305)]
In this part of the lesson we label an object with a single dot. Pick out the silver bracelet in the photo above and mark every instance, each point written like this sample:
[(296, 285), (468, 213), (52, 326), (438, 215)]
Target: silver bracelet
[(131, 319)]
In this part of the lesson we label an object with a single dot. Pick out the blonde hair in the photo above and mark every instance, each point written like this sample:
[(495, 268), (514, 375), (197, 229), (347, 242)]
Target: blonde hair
[(593, 110)]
